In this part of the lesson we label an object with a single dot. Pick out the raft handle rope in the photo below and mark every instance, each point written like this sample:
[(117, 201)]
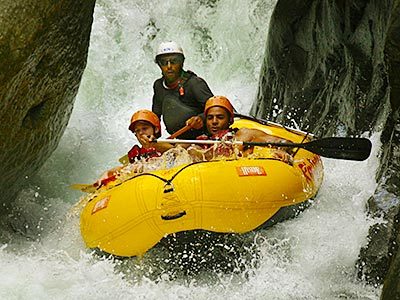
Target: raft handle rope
[(168, 182)]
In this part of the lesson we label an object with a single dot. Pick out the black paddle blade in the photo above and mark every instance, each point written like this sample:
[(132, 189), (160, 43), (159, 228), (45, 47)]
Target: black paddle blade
[(331, 147), (341, 148)]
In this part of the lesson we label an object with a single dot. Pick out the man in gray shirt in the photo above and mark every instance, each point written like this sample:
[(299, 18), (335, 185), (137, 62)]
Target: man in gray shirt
[(179, 95)]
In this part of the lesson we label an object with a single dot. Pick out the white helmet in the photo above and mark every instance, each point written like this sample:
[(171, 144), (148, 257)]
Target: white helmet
[(169, 48)]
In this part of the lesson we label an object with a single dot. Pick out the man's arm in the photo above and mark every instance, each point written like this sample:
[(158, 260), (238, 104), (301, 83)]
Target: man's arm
[(256, 135), (157, 102)]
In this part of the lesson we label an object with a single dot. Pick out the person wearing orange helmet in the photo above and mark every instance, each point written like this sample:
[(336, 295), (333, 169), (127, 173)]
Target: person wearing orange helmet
[(219, 114), (146, 126), (179, 96)]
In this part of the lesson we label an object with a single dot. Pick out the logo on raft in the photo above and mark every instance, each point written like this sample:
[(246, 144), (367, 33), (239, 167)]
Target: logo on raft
[(101, 204), (308, 169), (251, 171)]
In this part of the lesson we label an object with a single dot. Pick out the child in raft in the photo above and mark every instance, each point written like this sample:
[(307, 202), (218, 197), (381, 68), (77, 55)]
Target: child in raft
[(146, 126)]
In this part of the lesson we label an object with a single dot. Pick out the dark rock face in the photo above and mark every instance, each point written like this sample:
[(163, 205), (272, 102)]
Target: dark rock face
[(376, 258), (43, 52), (333, 67), (325, 65), (391, 287)]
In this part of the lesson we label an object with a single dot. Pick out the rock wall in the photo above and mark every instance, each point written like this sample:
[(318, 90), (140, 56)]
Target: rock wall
[(43, 52), (333, 68)]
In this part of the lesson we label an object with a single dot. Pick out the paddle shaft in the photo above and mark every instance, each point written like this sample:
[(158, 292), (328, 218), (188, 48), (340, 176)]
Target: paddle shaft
[(179, 132), (331, 147)]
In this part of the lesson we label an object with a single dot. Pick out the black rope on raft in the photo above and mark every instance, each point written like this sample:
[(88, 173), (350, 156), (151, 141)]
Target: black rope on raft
[(144, 174), (166, 181), (185, 167)]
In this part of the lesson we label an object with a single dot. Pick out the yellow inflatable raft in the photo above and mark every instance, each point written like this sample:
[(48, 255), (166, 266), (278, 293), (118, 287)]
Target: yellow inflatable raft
[(131, 217)]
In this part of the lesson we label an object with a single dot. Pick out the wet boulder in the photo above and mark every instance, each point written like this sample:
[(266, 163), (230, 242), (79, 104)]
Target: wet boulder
[(43, 52)]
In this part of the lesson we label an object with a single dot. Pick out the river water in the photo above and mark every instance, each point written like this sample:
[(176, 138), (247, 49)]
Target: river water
[(42, 255)]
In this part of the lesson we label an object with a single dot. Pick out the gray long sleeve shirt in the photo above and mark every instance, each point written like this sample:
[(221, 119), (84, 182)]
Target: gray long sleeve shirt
[(176, 109)]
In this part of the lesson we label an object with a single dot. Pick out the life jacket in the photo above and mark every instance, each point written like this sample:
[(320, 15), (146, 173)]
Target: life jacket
[(137, 153)]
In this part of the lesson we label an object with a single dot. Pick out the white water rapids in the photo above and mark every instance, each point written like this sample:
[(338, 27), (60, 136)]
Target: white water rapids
[(42, 255)]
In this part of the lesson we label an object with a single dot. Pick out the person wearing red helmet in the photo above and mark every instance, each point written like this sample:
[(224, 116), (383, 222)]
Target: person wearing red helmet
[(179, 96), (219, 114)]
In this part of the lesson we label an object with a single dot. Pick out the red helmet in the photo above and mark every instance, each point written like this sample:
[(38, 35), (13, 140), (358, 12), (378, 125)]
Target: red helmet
[(145, 115), (220, 101)]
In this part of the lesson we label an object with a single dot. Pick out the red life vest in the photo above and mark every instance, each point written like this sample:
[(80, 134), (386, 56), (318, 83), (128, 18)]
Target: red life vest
[(137, 153), (221, 149)]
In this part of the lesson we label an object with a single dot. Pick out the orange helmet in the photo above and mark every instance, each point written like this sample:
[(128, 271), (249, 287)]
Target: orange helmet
[(219, 101), (145, 115)]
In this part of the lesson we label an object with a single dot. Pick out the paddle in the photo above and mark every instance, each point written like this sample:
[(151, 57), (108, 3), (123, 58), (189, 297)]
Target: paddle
[(86, 188), (179, 132), (331, 147)]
